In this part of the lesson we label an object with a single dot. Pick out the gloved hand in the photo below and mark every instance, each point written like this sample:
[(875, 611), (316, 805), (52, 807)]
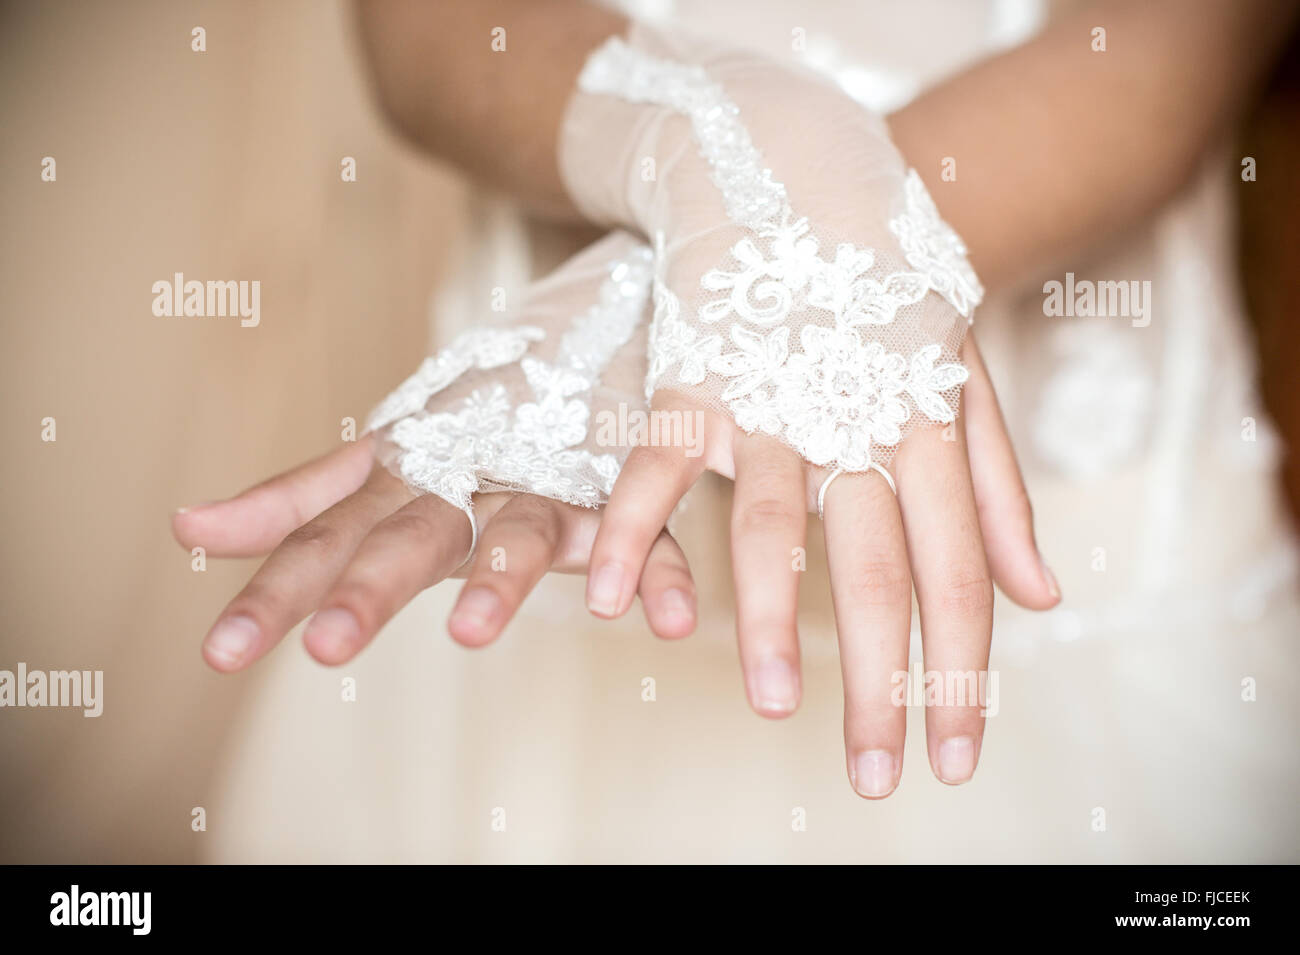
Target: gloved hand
[(811, 306), (498, 425)]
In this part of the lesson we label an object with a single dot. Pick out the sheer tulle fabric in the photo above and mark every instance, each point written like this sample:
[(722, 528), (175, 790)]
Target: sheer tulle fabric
[(511, 407), (826, 307), (804, 282)]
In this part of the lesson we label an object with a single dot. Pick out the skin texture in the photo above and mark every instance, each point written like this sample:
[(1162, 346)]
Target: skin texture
[(1070, 126), (1080, 147), (949, 534), (347, 541), (494, 115)]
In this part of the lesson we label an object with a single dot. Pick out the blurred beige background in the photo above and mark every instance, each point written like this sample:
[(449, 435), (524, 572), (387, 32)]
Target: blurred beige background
[(223, 164)]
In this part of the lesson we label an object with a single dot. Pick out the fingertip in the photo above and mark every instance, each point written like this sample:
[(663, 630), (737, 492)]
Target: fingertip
[(220, 663), (1033, 587), (770, 710), (671, 614), (230, 644), (1016, 564), (475, 621), (1049, 582), (874, 773), (180, 529), (605, 591), (185, 523), (333, 636), (774, 688), (223, 532), (956, 759)]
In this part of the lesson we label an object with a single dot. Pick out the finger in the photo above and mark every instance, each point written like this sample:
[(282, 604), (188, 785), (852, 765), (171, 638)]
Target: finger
[(253, 522), (768, 523), (651, 483), (1006, 520), (668, 591), (871, 588), (409, 550), (953, 590), (514, 551), (292, 581)]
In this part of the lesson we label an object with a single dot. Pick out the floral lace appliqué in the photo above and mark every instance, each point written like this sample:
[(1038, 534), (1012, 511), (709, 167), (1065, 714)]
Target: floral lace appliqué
[(476, 348), (935, 249), (486, 440), (834, 392)]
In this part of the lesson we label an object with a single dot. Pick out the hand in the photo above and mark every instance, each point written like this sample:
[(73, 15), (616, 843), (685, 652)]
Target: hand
[(811, 306), (348, 542), (961, 518), (503, 408)]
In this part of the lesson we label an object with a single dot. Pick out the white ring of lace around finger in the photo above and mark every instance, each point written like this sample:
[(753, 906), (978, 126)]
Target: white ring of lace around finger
[(821, 491)]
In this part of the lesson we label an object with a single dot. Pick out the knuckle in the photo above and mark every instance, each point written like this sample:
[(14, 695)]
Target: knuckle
[(409, 523), (626, 545), (262, 603), (880, 582), (535, 515), (626, 534), (510, 584), (768, 513), (662, 574), (768, 464), (666, 459), (361, 598), (315, 536), (966, 592)]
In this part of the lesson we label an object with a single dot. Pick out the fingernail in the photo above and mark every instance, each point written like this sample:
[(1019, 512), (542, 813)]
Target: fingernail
[(873, 773), (675, 604), (231, 639), (776, 686), (1052, 586), (605, 590), (957, 759), (333, 631), (193, 507), (474, 609)]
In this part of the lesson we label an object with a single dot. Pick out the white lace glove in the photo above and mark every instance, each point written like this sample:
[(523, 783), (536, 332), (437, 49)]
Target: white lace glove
[(510, 408), (805, 283), (507, 408)]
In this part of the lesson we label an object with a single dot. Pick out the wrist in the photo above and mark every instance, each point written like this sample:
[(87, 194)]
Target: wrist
[(627, 153)]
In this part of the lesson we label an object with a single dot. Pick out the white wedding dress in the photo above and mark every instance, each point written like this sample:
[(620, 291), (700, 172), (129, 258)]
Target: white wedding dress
[(1149, 718)]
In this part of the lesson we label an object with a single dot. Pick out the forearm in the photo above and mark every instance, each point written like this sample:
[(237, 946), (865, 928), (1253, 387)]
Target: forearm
[(1058, 147), (494, 113)]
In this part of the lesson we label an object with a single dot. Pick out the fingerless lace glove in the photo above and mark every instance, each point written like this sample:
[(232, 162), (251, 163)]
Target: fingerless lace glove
[(804, 282), (510, 408)]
